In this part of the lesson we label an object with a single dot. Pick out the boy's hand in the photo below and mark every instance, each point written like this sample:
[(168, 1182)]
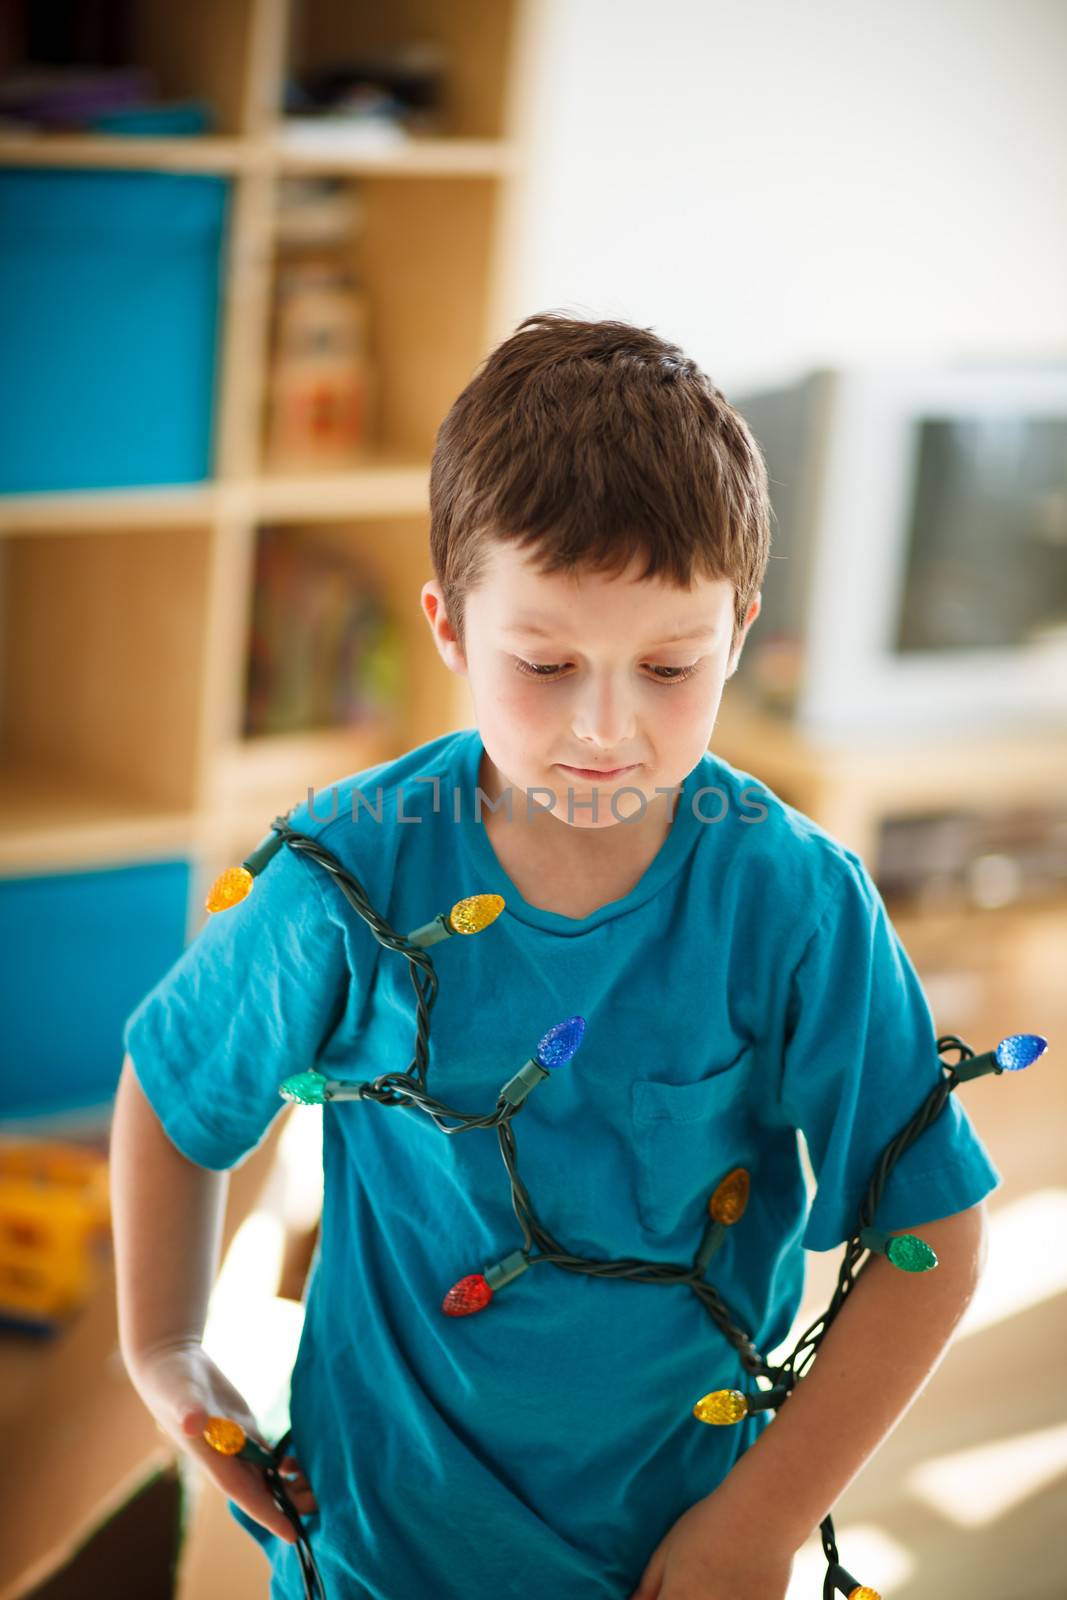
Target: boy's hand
[(706, 1556), (182, 1387)]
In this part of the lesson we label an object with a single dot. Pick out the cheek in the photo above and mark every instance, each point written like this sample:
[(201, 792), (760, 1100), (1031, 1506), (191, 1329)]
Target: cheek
[(523, 701), (683, 705), (685, 718)]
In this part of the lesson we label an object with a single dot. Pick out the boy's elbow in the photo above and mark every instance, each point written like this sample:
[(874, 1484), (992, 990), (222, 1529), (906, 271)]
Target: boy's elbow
[(983, 1236), (961, 1244)]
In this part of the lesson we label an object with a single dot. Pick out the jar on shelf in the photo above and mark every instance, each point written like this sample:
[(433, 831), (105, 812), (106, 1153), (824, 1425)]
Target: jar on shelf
[(319, 390)]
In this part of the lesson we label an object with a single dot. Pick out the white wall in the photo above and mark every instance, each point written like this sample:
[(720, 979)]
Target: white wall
[(781, 183)]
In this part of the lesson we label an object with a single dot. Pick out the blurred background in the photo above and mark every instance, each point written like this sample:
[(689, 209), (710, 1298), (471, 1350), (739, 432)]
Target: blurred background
[(251, 251)]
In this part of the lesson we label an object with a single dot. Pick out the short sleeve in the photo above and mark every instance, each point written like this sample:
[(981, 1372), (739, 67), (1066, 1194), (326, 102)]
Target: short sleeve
[(860, 1058), (251, 1000)]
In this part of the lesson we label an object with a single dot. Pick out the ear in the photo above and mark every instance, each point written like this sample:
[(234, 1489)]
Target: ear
[(444, 637), (750, 616)]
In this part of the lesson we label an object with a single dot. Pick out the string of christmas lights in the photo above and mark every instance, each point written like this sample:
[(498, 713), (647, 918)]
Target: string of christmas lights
[(726, 1206), (230, 1439)]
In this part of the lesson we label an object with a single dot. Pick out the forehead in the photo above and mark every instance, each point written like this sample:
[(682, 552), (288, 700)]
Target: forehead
[(522, 600)]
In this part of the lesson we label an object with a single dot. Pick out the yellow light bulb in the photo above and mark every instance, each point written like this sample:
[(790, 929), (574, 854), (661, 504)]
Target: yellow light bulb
[(863, 1593), (721, 1406), (229, 888), (727, 1204), (476, 912), (224, 1435)]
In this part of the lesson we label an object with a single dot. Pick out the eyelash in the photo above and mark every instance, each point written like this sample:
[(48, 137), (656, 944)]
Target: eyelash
[(679, 674)]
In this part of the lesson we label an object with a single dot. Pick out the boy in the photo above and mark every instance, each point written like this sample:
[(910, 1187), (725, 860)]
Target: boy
[(599, 532)]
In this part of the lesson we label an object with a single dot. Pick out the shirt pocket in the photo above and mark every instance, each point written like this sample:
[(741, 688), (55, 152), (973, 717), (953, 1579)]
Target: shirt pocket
[(687, 1138)]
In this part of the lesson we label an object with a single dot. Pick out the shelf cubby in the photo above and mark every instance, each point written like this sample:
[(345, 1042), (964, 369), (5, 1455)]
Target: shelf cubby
[(475, 39), (102, 676), (424, 256), (265, 773), (198, 51)]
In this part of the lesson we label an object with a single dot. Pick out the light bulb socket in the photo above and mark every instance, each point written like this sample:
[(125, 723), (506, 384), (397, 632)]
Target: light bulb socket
[(502, 1272), (528, 1077), (338, 1089), (714, 1235), (251, 1451), (432, 932), (875, 1240), (265, 851), (768, 1399), (977, 1067)]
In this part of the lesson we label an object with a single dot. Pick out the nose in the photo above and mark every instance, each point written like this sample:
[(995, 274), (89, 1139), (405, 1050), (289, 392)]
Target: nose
[(603, 715)]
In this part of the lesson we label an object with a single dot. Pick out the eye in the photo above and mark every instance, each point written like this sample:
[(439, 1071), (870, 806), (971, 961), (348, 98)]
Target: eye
[(533, 670), (677, 674), (662, 674)]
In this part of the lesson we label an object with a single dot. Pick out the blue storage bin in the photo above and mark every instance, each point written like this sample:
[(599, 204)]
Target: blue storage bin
[(80, 951), (109, 304)]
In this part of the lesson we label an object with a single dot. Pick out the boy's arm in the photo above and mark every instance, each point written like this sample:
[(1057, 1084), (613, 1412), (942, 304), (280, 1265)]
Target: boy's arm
[(167, 1216), (877, 1355), (884, 1344)]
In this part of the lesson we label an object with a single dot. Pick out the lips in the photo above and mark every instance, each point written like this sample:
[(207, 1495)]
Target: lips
[(597, 772)]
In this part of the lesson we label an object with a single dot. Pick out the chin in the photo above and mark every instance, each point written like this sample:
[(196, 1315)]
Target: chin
[(627, 810), (583, 821)]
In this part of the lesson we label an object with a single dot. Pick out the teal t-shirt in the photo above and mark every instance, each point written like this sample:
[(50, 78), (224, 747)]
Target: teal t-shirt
[(749, 985)]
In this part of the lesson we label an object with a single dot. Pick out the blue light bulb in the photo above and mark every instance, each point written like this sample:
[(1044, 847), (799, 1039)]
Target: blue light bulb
[(1019, 1050), (560, 1042)]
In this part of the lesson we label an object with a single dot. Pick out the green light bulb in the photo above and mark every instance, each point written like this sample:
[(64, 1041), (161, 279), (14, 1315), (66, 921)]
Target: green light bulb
[(305, 1089), (910, 1253)]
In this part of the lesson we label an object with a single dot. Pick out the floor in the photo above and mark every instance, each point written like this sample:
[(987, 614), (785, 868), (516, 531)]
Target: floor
[(966, 1498), (134, 1554)]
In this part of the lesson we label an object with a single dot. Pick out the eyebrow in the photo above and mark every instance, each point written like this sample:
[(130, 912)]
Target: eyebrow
[(522, 625)]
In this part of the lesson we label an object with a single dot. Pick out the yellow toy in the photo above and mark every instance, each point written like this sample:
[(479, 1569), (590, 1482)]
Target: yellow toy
[(54, 1207)]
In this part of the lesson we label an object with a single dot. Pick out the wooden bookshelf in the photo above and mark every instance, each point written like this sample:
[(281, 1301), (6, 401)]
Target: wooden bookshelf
[(422, 158), (141, 597), (147, 155), (125, 613)]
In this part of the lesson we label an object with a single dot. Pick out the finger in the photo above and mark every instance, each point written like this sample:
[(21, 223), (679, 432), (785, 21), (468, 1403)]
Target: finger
[(294, 1488), (193, 1419), (297, 1487), (649, 1587), (254, 1496), (295, 1482), (304, 1502), (244, 1484)]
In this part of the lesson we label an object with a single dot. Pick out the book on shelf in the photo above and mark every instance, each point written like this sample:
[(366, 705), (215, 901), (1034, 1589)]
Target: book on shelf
[(324, 649)]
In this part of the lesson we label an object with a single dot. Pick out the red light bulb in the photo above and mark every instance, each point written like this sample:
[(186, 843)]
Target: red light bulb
[(468, 1295)]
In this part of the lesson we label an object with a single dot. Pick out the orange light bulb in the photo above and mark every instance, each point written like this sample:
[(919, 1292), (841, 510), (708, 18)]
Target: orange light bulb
[(727, 1204), (229, 889), (225, 1435)]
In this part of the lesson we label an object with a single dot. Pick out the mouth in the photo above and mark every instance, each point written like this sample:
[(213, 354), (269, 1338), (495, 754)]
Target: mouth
[(598, 773)]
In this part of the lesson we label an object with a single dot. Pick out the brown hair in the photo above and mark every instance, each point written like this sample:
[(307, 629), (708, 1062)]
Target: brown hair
[(596, 443)]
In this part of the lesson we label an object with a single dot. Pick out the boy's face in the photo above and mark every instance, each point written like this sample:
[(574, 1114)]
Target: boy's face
[(616, 689)]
